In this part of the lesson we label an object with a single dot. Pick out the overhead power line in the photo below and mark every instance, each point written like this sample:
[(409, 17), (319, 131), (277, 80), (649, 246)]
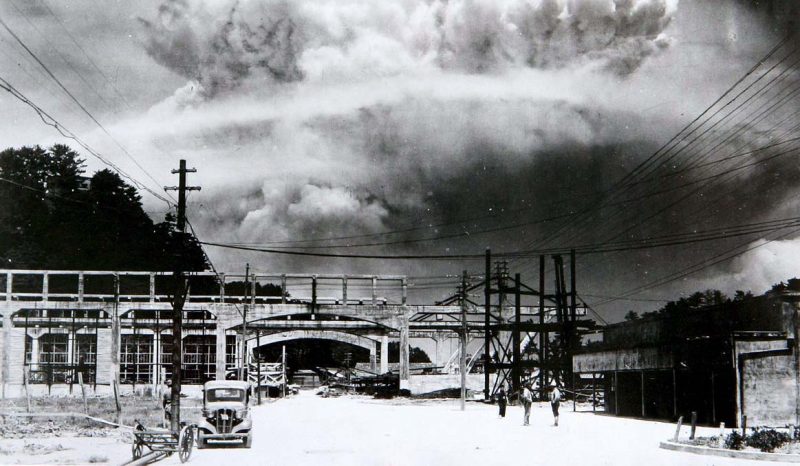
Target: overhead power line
[(64, 131), (77, 102)]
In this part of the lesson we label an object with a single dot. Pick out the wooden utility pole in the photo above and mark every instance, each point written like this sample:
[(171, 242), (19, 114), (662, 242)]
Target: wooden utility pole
[(462, 365), (243, 373), (179, 293)]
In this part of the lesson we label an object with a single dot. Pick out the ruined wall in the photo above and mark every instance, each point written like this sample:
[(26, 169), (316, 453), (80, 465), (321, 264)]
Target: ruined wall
[(768, 382), (622, 360), (16, 355), (420, 384), (104, 356)]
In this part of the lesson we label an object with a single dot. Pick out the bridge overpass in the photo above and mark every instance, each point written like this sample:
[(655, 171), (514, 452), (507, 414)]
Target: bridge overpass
[(115, 326)]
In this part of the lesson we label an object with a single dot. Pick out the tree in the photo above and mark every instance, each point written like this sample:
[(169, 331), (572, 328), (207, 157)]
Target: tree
[(631, 315), (48, 221), (415, 355)]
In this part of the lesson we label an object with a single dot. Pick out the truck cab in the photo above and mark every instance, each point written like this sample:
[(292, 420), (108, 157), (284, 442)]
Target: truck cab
[(225, 417)]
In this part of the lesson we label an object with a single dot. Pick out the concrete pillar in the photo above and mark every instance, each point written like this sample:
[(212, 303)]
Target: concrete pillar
[(115, 345), (404, 350), (5, 348), (384, 354), (152, 287), (45, 287), (372, 357), (34, 352), (155, 362), (220, 351), (70, 347)]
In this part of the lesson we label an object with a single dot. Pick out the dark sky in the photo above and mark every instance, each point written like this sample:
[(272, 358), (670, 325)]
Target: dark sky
[(468, 121)]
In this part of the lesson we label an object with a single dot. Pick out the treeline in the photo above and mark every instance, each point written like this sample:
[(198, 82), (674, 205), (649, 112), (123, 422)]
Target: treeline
[(710, 298), (54, 217)]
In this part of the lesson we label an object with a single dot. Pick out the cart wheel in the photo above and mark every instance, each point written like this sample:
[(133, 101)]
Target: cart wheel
[(185, 441), (136, 450)]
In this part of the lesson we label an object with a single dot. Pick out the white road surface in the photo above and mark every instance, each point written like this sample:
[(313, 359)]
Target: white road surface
[(309, 430)]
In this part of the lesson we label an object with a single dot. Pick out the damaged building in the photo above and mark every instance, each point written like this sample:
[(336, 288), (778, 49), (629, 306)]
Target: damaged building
[(734, 363)]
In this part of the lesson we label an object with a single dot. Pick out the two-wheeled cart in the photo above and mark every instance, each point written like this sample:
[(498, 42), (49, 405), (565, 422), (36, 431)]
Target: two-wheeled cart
[(161, 443)]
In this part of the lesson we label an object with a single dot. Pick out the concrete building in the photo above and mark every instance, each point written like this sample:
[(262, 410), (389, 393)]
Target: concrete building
[(727, 363), (115, 327)]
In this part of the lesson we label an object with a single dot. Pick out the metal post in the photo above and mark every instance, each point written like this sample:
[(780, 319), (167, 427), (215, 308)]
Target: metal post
[(713, 401), (462, 363), (283, 367), (542, 331), (573, 334), (404, 285), (594, 392), (344, 290), (258, 366), (674, 393), (516, 371), (314, 293), (643, 406), (487, 334), (374, 290), (283, 289)]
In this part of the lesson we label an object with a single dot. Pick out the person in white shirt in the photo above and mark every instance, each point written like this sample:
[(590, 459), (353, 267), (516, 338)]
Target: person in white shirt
[(526, 398), (555, 399)]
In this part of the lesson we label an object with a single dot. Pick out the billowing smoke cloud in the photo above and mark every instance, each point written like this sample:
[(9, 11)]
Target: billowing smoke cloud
[(221, 44), (338, 118)]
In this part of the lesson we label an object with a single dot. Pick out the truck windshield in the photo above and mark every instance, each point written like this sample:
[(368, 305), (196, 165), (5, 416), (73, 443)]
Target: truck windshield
[(225, 394)]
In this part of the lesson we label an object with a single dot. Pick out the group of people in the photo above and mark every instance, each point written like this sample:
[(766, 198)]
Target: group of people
[(526, 399)]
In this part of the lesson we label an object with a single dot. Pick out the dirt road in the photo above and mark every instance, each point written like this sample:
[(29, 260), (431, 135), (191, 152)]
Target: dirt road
[(308, 430)]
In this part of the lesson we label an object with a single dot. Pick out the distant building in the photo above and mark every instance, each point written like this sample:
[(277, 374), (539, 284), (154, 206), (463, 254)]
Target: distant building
[(723, 362)]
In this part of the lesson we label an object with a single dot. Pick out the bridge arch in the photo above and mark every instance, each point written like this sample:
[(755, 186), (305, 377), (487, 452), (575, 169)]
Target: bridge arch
[(357, 340)]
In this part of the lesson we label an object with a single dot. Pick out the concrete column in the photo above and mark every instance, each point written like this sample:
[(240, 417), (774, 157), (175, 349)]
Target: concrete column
[(384, 354), (152, 287), (5, 348), (115, 345), (70, 347), (220, 351), (45, 287), (34, 353), (404, 350), (154, 360), (81, 282), (372, 357)]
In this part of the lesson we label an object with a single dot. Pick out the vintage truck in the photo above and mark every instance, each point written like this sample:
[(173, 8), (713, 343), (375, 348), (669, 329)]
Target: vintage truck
[(226, 417)]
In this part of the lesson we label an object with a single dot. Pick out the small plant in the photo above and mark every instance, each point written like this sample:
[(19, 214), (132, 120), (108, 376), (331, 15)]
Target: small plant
[(98, 459), (734, 441), (767, 439)]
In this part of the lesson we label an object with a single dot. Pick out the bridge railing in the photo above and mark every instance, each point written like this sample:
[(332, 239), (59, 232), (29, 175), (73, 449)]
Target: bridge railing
[(204, 287)]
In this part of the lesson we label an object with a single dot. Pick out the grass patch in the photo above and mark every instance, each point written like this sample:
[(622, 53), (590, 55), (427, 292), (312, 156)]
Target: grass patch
[(145, 409)]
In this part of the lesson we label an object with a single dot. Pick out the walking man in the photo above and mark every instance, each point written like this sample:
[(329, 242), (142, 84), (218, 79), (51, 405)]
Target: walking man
[(526, 398), (555, 399), (502, 399), (166, 402)]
